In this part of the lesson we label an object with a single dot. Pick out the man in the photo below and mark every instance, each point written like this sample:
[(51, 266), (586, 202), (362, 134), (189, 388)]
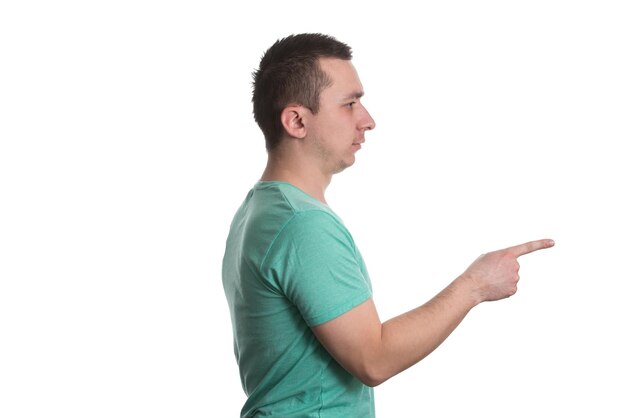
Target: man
[(307, 336)]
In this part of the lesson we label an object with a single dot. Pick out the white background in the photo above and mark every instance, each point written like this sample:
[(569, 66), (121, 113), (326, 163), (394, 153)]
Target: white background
[(127, 143)]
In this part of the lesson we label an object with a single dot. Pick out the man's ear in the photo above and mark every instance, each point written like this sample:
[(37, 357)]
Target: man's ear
[(292, 118)]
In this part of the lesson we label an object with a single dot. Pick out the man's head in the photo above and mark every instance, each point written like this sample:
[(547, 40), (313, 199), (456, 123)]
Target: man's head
[(290, 73)]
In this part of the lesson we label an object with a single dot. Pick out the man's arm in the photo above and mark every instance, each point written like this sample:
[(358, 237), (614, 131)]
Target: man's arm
[(374, 351)]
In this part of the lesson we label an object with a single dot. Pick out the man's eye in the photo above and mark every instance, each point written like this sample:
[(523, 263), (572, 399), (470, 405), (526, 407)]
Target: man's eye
[(351, 104)]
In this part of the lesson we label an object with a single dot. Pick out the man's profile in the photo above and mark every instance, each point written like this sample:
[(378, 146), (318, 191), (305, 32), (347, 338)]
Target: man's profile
[(307, 337)]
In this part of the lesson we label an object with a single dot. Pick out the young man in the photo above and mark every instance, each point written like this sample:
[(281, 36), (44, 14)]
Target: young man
[(307, 336)]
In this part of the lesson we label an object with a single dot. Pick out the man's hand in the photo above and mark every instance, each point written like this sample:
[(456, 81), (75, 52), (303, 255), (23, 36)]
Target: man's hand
[(495, 275)]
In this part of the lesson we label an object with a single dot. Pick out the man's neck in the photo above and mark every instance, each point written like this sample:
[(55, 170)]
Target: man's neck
[(306, 177)]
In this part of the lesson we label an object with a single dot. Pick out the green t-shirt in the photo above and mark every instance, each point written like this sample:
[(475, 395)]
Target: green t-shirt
[(290, 264)]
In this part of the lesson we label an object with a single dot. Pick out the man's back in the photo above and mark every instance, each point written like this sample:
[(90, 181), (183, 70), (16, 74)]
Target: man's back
[(289, 265)]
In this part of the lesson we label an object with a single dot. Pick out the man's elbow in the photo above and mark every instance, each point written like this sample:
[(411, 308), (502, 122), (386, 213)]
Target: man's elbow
[(371, 376), (371, 382)]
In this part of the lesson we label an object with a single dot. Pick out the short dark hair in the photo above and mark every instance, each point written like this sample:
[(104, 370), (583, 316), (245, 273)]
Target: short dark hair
[(290, 72)]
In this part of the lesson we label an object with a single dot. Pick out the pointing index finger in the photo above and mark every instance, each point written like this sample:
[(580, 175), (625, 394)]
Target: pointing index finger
[(530, 247)]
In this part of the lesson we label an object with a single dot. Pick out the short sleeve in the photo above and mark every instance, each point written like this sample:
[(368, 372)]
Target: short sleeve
[(314, 262)]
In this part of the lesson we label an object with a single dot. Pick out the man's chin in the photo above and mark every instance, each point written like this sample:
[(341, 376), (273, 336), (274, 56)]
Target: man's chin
[(343, 165)]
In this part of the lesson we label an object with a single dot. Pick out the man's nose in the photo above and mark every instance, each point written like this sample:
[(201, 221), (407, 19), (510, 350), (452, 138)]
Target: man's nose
[(368, 122)]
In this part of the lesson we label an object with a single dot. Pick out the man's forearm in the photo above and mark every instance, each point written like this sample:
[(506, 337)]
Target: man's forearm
[(408, 338)]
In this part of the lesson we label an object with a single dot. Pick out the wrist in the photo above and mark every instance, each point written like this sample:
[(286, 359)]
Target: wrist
[(469, 289)]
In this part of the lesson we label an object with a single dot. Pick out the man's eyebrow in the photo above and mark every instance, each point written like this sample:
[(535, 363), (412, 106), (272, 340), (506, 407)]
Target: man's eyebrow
[(354, 95)]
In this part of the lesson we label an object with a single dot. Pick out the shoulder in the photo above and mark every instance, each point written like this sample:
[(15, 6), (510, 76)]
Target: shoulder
[(291, 220), (312, 231), (297, 199), (316, 222), (292, 204)]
